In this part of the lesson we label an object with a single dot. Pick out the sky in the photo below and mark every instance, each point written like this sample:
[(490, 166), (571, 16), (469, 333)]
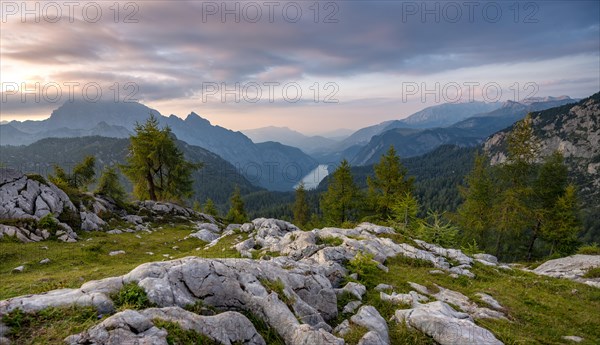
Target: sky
[(311, 66)]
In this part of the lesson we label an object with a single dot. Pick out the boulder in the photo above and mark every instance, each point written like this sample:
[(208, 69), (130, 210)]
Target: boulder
[(445, 325), (369, 318), (571, 267), (205, 235)]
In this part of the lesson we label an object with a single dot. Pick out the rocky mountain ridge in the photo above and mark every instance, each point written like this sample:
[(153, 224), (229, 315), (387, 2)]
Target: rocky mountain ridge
[(573, 130)]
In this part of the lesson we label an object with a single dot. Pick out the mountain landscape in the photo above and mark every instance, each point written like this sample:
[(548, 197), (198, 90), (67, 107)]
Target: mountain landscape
[(309, 144), (265, 162), (300, 173)]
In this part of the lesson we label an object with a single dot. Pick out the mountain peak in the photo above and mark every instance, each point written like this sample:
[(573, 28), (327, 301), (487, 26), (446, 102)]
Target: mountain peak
[(197, 119)]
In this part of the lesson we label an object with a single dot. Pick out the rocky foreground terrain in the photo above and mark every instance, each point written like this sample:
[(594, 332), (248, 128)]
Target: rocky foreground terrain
[(324, 286)]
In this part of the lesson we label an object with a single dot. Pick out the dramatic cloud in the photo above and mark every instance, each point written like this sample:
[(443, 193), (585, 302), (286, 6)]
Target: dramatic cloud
[(173, 51)]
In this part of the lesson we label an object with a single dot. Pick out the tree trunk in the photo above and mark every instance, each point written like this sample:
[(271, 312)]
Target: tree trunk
[(498, 244), (535, 236), (530, 248), (151, 188)]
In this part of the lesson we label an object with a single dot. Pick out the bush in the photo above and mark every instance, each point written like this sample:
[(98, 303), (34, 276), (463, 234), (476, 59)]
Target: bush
[(329, 241), (436, 231), (178, 336), (131, 296), (593, 272), (277, 286), (48, 222), (591, 249), (365, 268)]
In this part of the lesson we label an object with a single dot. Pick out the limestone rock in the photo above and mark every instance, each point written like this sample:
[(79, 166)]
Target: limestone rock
[(205, 235), (356, 289), (573, 338), (126, 327), (91, 222), (572, 267), (486, 259), (351, 307), (445, 325), (226, 328), (369, 318)]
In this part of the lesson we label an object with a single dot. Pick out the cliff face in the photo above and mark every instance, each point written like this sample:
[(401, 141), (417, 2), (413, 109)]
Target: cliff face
[(574, 130)]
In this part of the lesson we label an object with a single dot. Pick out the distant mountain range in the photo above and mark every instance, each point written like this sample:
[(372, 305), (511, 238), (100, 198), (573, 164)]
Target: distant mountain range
[(470, 131), (272, 165), (436, 116), (216, 180), (286, 136)]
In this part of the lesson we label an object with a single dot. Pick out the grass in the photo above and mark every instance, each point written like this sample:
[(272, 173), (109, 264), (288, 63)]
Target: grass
[(329, 241), (590, 249), (49, 326), (131, 296), (269, 334), (72, 264), (541, 309), (355, 334), (278, 287), (593, 272), (179, 336)]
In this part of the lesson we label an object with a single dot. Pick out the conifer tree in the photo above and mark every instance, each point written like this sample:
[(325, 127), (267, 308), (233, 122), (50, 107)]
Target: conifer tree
[(155, 165), (388, 185), (301, 212), (110, 186), (210, 208), (237, 213), (339, 203)]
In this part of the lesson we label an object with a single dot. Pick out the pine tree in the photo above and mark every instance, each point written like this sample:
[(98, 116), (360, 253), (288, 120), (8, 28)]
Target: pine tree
[(474, 215), (156, 167), (210, 208), (83, 175), (301, 212), (436, 230), (563, 225), (339, 203), (237, 213), (109, 185), (388, 184), (404, 211)]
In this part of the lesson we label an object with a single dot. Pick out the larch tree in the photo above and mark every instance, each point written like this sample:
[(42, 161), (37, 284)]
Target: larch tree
[(156, 166)]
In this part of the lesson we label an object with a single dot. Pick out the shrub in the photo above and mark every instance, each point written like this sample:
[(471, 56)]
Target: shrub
[(365, 268), (48, 222), (329, 241), (131, 296), (37, 177), (277, 286), (590, 249), (436, 231), (178, 336), (593, 272)]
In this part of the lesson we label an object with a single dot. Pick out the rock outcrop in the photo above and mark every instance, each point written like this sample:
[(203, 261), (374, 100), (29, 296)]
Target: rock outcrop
[(133, 327), (445, 325), (572, 267), (24, 200), (295, 294)]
